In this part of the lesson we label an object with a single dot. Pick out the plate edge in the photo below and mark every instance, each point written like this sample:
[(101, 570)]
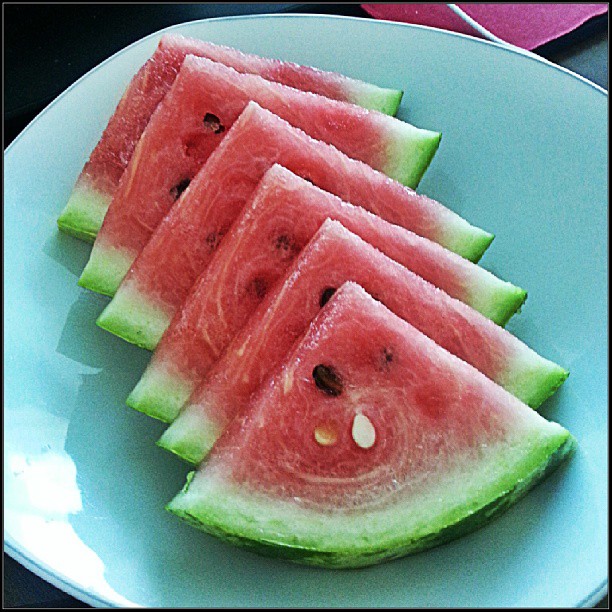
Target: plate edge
[(64, 583)]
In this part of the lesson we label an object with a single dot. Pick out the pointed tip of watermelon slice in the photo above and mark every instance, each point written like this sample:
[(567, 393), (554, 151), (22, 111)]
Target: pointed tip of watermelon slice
[(66, 226), (426, 152), (192, 440), (192, 434), (410, 153), (552, 377), (393, 101)]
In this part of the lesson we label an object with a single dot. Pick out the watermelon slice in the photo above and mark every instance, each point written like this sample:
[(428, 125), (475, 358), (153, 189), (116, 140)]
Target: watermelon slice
[(370, 443), (152, 293), (284, 213), (334, 256), (187, 350), (204, 101), (94, 189)]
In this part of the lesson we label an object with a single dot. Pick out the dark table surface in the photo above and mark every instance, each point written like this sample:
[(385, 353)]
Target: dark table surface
[(75, 38)]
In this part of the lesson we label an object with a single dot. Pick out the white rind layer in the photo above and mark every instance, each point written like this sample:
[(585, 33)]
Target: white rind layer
[(133, 316), (413, 513)]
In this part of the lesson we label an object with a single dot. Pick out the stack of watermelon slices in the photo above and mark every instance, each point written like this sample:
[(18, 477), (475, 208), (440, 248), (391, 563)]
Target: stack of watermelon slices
[(327, 350), (100, 177)]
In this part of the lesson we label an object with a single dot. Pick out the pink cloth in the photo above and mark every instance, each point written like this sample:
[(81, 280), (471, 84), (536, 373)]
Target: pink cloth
[(524, 25)]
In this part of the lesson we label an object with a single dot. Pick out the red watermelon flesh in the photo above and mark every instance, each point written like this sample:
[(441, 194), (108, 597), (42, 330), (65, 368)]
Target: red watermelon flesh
[(305, 78), (283, 214), (187, 237), (369, 443), (188, 354), (202, 104), (100, 176), (333, 256)]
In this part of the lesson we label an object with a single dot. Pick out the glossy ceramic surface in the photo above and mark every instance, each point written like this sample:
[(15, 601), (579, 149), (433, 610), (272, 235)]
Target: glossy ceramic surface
[(524, 155)]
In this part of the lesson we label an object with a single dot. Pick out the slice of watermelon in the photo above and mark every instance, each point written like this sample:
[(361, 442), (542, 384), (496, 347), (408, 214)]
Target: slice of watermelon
[(370, 443), (284, 213), (334, 256), (186, 238), (202, 104), (94, 189)]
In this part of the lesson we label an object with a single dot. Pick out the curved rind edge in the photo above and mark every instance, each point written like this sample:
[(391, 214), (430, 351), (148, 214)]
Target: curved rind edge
[(550, 382), (344, 559), (191, 435)]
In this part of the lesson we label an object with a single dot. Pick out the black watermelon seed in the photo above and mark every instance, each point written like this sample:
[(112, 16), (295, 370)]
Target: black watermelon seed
[(213, 123), (178, 189), (283, 243), (259, 287), (326, 295), (386, 358), (285, 246), (212, 240), (327, 379)]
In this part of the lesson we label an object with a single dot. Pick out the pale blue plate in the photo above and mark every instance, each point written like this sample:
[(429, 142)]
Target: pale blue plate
[(524, 155)]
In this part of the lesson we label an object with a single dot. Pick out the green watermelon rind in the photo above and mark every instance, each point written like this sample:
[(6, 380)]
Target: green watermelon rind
[(83, 214), (191, 435), (134, 318), (386, 101), (472, 246), (234, 527), (410, 153), (540, 378), (500, 307), (159, 394), (105, 269)]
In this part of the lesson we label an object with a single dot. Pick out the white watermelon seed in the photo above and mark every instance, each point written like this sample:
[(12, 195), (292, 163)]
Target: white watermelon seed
[(363, 431), (325, 435), (287, 381)]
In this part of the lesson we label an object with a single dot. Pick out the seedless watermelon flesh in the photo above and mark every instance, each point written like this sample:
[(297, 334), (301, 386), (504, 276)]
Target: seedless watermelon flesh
[(202, 104), (346, 458), (334, 256), (284, 213), (92, 194)]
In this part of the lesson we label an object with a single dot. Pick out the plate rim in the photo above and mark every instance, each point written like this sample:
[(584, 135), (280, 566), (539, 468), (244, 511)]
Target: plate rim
[(66, 584), (63, 583)]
